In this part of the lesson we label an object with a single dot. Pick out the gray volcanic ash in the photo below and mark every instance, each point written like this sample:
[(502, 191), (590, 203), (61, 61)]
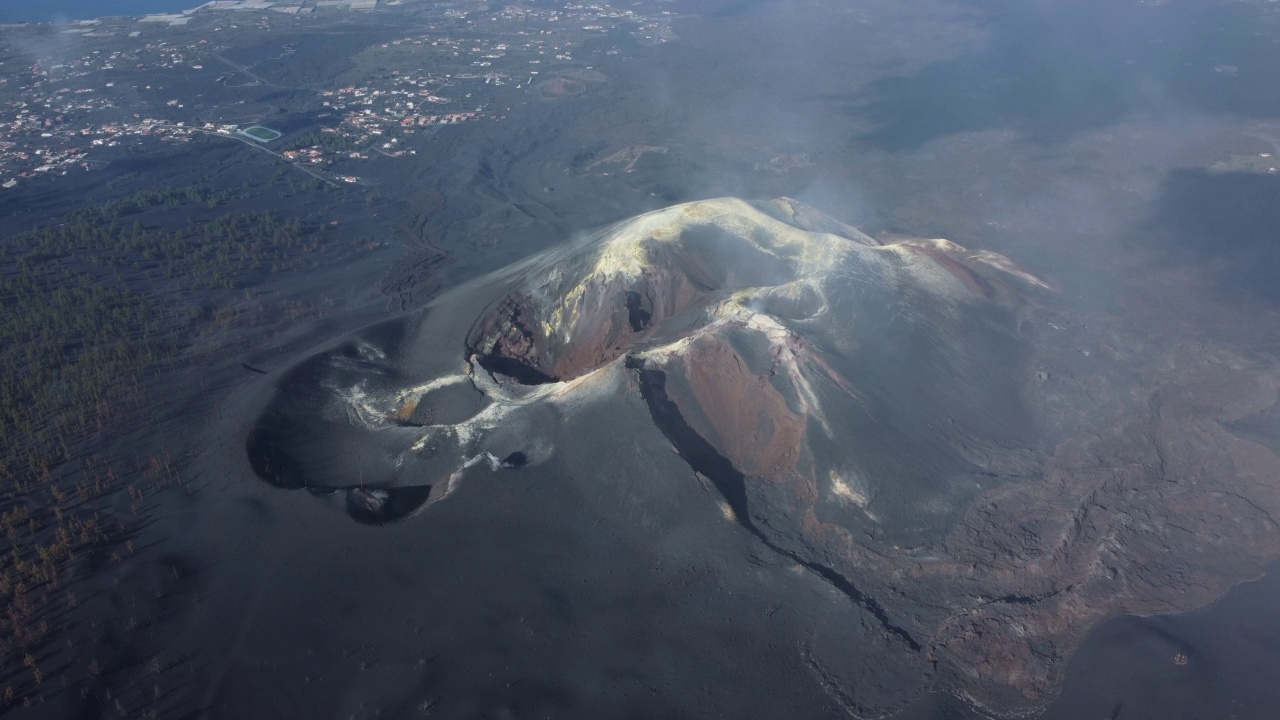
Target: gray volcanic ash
[(870, 414), (783, 340)]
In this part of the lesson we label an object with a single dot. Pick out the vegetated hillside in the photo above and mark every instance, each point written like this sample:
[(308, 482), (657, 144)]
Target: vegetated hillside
[(102, 310)]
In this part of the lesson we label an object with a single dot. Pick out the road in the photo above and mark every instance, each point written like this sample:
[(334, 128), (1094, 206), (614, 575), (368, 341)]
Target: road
[(254, 145)]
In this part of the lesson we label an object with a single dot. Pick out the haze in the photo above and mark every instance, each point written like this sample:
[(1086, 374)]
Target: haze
[(671, 358)]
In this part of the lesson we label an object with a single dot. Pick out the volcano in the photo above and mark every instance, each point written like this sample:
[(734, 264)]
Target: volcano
[(770, 342), (869, 415)]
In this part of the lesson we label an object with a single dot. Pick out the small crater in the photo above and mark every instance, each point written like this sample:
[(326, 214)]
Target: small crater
[(378, 506), (638, 315)]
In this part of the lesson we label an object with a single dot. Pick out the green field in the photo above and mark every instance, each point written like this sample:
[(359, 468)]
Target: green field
[(261, 134)]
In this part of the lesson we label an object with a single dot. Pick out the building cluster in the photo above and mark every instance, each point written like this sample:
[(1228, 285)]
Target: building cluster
[(57, 110), (289, 7), (60, 113)]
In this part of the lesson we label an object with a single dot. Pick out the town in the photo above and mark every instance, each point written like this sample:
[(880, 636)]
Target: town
[(142, 83)]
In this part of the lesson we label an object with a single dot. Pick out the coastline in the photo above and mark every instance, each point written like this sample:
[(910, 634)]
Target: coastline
[(88, 11), (74, 11)]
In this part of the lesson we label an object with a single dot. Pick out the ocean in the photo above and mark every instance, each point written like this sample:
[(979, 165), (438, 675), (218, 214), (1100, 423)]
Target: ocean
[(12, 11)]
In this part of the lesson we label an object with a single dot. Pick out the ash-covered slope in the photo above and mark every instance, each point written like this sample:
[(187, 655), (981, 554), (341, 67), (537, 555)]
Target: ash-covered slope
[(876, 383), (874, 417)]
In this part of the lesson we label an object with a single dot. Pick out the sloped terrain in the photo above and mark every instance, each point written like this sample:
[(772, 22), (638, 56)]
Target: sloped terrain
[(870, 415)]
